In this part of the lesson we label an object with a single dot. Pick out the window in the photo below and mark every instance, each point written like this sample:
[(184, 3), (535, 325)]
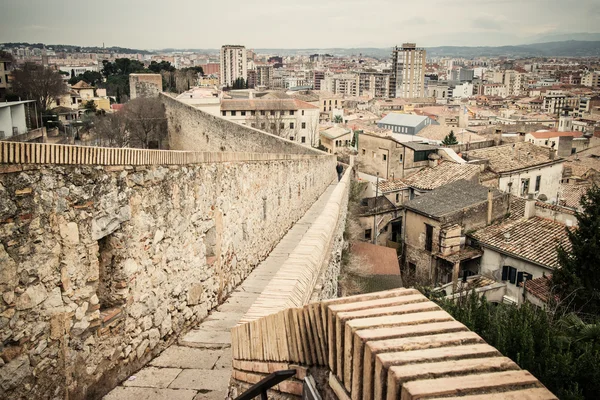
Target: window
[(281, 125), (521, 276), (538, 182), (224, 113), (291, 112), (272, 126), (292, 138), (428, 237), (262, 113), (324, 102), (374, 155), (397, 231), (303, 140), (509, 274), (524, 186), (291, 125), (400, 158), (367, 234), (263, 125), (57, 101), (385, 157), (252, 124), (253, 113), (364, 152), (243, 113), (397, 197), (233, 113), (304, 125), (329, 104), (272, 112), (302, 112)]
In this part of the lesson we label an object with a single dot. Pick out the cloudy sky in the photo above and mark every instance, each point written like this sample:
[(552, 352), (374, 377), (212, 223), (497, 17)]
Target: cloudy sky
[(149, 24)]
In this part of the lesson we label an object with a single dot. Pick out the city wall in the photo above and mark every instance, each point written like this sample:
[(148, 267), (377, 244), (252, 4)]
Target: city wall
[(108, 254), (193, 129)]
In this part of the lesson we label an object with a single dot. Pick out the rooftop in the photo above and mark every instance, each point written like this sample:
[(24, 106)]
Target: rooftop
[(392, 185), (553, 134), (442, 174), (335, 132), (402, 119), (439, 132), (540, 287), (450, 198), (417, 146), (512, 157), (14, 103), (82, 85), (534, 239), (379, 260), (265, 105)]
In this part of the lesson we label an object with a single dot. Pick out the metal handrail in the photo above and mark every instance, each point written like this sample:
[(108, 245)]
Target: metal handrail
[(265, 384)]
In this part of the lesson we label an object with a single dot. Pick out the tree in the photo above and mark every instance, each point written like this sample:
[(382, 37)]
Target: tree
[(111, 130), (450, 139), (579, 274), (240, 83), (274, 122), (39, 83), (146, 122), (338, 119), (90, 105), (92, 77)]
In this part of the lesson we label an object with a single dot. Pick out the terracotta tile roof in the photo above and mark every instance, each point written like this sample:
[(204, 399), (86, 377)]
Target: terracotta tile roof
[(439, 132), (265, 105), (392, 185), (534, 239), (571, 194), (380, 260), (553, 134), (82, 85), (540, 287), (511, 157), (442, 174)]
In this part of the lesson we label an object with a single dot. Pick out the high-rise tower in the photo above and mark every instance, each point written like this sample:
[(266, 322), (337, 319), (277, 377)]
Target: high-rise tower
[(408, 71)]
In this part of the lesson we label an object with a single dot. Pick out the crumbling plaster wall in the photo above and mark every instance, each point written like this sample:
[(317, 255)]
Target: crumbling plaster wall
[(102, 267)]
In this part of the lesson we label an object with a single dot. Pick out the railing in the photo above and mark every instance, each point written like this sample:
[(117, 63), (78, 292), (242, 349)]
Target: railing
[(46, 153), (265, 384)]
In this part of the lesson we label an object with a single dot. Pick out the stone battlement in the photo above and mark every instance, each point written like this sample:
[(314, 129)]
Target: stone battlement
[(387, 345)]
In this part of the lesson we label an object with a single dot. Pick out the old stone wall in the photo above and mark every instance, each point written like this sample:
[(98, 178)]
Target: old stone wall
[(194, 130), (145, 85), (103, 266)]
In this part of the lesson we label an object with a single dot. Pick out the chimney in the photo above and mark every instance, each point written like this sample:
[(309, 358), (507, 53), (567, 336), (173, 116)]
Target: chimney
[(552, 154), (529, 207), (490, 206)]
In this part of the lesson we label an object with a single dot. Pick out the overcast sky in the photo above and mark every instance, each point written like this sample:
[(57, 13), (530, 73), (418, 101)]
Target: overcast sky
[(151, 24)]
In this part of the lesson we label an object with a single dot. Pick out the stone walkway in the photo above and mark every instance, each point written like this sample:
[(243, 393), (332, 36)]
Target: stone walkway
[(199, 366)]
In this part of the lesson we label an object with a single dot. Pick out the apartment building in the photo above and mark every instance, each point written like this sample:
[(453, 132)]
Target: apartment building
[(264, 75), (408, 71), (591, 79), (5, 66), (374, 84), (494, 89), (343, 84), (291, 119), (234, 65)]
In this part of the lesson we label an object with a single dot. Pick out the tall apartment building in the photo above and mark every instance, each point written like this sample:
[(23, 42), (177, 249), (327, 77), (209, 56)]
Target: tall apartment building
[(591, 79), (234, 64), (318, 76), (5, 76), (408, 71), (345, 84), (374, 84), (513, 81), (264, 75)]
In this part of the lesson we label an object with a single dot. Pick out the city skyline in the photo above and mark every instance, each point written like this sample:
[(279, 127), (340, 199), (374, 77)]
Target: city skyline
[(383, 23)]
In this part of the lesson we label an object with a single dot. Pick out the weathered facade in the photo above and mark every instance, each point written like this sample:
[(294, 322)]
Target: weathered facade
[(145, 85)]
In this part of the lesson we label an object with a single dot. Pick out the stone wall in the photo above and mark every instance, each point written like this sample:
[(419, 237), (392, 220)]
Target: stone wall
[(195, 130), (103, 266), (145, 85)]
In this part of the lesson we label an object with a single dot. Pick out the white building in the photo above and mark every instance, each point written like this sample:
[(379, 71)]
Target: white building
[(13, 118), (291, 119), (408, 71), (591, 79), (344, 84), (462, 91), (234, 65)]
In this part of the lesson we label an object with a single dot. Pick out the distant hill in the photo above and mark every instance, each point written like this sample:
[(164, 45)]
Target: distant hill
[(568, 48), (77, 49)]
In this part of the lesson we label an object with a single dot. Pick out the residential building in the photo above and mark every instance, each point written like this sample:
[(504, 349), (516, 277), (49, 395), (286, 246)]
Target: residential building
[(342, 84), (234, 64), (390, 158), (330, 104), (404, 123), (5, 77), (374, 84), (494, 89), (291, 119), (591, 79), (466, 75), (336, 138), (520, 169), (264, 75), (408, 71), (513, 81), (444, 173), (435, 225), (562, 142), (374, 216), (16, 118), (522, 248), (318, 76)]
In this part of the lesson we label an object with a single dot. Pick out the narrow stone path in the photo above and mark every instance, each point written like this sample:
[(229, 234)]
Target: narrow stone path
[(199, 366)]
